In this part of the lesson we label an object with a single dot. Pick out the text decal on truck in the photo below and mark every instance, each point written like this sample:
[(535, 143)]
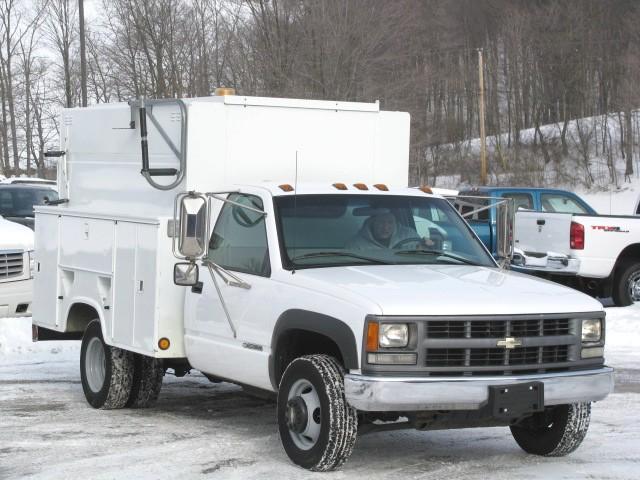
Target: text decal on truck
[(606, 228)]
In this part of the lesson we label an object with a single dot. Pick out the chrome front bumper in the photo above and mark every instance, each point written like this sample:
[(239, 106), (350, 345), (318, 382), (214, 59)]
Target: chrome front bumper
[(395, 394)]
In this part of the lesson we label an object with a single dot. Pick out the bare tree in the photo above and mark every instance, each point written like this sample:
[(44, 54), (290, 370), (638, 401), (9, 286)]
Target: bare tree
[(61, 26)]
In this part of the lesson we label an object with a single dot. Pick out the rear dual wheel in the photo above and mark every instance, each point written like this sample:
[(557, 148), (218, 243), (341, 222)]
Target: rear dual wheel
[(114, 378)]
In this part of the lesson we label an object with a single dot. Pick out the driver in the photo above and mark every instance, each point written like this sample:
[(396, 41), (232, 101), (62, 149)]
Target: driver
[(382, 231)]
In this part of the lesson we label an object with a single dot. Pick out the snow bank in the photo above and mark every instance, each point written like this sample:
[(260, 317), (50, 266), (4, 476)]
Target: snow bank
[(15, 342), (623, 337)]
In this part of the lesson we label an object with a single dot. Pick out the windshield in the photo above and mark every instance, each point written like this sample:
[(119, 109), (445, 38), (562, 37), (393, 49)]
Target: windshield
[(19, 202), (331, 230)]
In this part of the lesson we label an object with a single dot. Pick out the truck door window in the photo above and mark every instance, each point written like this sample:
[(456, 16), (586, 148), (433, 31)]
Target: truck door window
[(520, 200), (239, 239), (560, 203)]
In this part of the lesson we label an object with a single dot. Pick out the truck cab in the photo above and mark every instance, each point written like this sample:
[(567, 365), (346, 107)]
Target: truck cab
[(537, 199)]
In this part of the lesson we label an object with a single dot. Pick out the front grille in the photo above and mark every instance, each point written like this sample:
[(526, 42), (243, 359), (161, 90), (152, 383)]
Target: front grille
[(485, 357), (497, 328), (477, 346), (11, 265)]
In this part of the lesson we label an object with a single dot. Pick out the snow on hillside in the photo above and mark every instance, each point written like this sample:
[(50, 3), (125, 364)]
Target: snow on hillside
[(593, 165)]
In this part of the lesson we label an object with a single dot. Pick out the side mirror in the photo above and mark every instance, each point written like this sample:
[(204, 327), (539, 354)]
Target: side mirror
[(192, 239), (185, 274)]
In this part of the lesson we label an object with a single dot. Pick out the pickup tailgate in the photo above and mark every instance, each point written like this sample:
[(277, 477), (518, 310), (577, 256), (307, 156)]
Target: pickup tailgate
[(542, 232)]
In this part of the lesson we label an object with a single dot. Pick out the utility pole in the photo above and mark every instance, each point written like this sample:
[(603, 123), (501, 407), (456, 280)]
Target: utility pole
[(83, 56), (483, 140)]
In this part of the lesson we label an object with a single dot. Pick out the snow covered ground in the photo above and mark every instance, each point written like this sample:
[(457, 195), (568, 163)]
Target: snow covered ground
[(203, 430)]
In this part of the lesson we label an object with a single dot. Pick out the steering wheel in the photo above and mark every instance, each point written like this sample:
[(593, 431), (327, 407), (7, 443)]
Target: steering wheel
[(406, 241), (241, 216)]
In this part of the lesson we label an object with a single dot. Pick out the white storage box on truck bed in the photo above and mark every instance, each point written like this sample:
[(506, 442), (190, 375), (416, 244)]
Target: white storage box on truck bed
[(305, 277)]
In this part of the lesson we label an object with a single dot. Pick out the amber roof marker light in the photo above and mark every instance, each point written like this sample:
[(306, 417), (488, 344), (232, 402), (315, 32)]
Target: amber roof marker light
[(285, 187), (339, 186), (361, 186), (425, 189), (382, 187), (222, 91)]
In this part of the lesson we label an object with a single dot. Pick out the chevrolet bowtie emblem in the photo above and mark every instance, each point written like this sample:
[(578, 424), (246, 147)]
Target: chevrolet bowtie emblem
[(509, 343)]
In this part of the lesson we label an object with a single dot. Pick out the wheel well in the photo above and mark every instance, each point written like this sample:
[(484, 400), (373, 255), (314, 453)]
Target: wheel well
[(79, 317), (632, 251), (295, 343)]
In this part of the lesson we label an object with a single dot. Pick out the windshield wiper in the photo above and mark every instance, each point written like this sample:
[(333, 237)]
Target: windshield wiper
[(435, 252), (339, 254)]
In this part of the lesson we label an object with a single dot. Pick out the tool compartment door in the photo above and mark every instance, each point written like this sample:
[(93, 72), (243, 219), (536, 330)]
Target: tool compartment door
[(45, 289)]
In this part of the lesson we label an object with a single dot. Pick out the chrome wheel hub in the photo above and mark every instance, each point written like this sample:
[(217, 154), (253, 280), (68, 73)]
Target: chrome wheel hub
[(633, 286)]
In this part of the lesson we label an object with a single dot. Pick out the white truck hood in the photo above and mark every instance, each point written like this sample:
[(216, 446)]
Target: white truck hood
[(446, 290), (14, 236)]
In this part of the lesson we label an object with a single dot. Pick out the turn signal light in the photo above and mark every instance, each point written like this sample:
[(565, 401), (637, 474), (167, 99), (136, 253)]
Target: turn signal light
[(340, 186), (164, 343), (372, 336), (361, 186)]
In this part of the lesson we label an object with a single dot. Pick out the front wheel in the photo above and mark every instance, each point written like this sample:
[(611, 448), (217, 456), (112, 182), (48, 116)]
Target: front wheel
[(556, 432), (317, 426), (626, 287), (106, 372)]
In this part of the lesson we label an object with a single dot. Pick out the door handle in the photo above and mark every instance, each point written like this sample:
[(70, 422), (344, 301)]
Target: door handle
[(541, 221)]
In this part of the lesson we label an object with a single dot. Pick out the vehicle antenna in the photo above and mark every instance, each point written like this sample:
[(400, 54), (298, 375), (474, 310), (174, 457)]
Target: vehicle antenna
[(295, 211)]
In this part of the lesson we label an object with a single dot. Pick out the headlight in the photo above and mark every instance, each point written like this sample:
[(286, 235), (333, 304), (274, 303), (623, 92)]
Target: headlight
[(393, 335), (591, 330)]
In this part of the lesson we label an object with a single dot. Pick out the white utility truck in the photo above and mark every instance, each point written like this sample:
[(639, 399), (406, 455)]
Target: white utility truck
[(302, 274), (16, 269), (599, 254)]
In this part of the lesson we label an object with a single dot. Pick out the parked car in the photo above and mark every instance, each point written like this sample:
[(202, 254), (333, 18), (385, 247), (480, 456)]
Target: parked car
[(17, 201), (16, 269)]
